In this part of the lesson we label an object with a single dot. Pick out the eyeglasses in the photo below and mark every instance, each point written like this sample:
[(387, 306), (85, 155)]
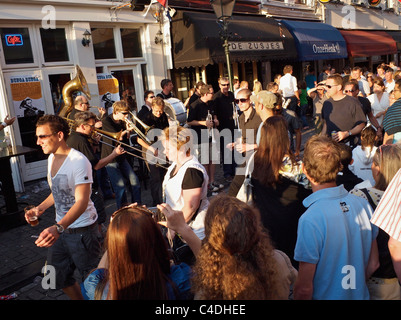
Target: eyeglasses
[(44, 136), (90, 125), (242, 100), (350, 91), (224, 84)]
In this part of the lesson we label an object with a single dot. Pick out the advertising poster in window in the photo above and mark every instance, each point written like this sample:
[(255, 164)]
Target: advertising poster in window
[(108, 91), (27, 96), (29, 106)]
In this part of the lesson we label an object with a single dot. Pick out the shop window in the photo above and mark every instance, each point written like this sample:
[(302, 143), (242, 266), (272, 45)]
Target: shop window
[(131, 41), (103, 43), (54, 45), (17, 47)]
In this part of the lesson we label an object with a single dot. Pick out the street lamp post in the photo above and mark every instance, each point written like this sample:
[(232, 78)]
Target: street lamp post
[(224, 10)]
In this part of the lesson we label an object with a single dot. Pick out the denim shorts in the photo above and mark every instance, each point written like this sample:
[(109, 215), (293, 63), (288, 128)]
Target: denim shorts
[(74, 251)]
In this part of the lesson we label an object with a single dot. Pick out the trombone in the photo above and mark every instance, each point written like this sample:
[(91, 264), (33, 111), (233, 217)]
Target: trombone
[(111, 135), (115, 137), (131, 126)]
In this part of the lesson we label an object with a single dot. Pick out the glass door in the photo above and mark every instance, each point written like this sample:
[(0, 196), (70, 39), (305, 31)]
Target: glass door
[(130, 85)]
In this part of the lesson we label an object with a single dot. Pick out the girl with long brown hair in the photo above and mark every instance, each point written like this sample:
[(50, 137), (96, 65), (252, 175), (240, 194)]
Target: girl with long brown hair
[(137, 263), (279, 186)]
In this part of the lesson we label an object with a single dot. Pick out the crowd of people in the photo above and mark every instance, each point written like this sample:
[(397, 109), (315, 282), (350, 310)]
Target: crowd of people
[(319, 225)]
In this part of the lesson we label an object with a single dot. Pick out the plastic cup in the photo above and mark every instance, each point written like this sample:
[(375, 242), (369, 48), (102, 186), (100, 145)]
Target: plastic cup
[(33, 220)]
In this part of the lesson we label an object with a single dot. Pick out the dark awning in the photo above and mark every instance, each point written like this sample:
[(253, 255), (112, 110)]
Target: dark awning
[(316, 40), (396, 35), (361, 43), (196, 39)]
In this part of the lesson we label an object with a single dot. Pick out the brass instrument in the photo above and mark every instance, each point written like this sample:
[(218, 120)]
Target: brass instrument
[(79, 83), (132, 127), (143, 124), (115, 136)]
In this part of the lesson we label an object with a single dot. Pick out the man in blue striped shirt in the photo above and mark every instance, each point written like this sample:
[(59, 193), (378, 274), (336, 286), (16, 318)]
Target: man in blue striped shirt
[(392, 118)]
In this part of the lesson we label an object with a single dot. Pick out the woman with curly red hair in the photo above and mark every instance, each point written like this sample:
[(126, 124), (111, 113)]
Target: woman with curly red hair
[(236, 260)]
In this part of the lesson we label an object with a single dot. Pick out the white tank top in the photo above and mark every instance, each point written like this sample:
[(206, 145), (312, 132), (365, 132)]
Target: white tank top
[(172, 191)]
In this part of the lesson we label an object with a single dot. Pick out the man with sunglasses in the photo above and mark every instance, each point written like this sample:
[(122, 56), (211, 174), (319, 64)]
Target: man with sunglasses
[(147, 107), (224, 111), (351, 89), (249, 122), (120, 169), (342, 115), (72, 241)]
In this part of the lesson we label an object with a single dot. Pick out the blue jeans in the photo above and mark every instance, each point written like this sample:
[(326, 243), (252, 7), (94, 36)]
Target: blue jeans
[(304, 108), (118, 172)]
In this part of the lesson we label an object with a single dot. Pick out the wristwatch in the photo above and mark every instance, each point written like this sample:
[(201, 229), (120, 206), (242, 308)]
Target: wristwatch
[(60, 228), (4, 124), (349, 133)]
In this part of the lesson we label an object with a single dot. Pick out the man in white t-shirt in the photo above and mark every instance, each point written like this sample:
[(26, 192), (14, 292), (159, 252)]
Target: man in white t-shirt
[(289, 88), (72, 241)]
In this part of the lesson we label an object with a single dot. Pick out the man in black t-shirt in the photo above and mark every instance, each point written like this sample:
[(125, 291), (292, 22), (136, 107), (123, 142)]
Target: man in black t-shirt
[(120, 170), (196, 94), (342, 115), (156, 119), (224, 110), (202, 119), (147, 107), (79, 140), (167, 89)]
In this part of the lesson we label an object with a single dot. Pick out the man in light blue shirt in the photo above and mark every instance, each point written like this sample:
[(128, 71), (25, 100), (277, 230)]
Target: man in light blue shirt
[(336, 245)]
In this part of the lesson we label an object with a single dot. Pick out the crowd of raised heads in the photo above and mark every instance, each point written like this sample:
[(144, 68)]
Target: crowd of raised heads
[(288, 220)]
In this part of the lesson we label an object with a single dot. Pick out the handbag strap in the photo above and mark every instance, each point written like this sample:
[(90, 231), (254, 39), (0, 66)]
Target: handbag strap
[(366, 192), (250, 161)]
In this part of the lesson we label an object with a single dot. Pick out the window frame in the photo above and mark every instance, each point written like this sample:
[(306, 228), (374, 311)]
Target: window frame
[(68, 37), (33, 40)]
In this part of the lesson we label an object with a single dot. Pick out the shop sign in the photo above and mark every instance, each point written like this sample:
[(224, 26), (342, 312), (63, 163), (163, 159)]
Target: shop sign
[(236, 46), (13, 40), (326, 48)]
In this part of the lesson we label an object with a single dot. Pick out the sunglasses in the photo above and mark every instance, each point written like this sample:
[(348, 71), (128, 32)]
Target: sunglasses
[(124, 113), (329, 86), (154, 212), (242, 100), (44, 136), (350, 91), (151, 97), (224, 84)]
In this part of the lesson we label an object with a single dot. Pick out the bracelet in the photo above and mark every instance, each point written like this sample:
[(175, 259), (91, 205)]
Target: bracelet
[(4, 124)]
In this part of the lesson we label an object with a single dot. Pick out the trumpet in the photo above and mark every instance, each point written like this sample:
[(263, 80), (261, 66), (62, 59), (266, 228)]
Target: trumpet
[(132, 127)]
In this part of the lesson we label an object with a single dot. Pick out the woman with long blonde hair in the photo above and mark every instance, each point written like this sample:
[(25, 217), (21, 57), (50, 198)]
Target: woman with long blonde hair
[(383, 285)]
